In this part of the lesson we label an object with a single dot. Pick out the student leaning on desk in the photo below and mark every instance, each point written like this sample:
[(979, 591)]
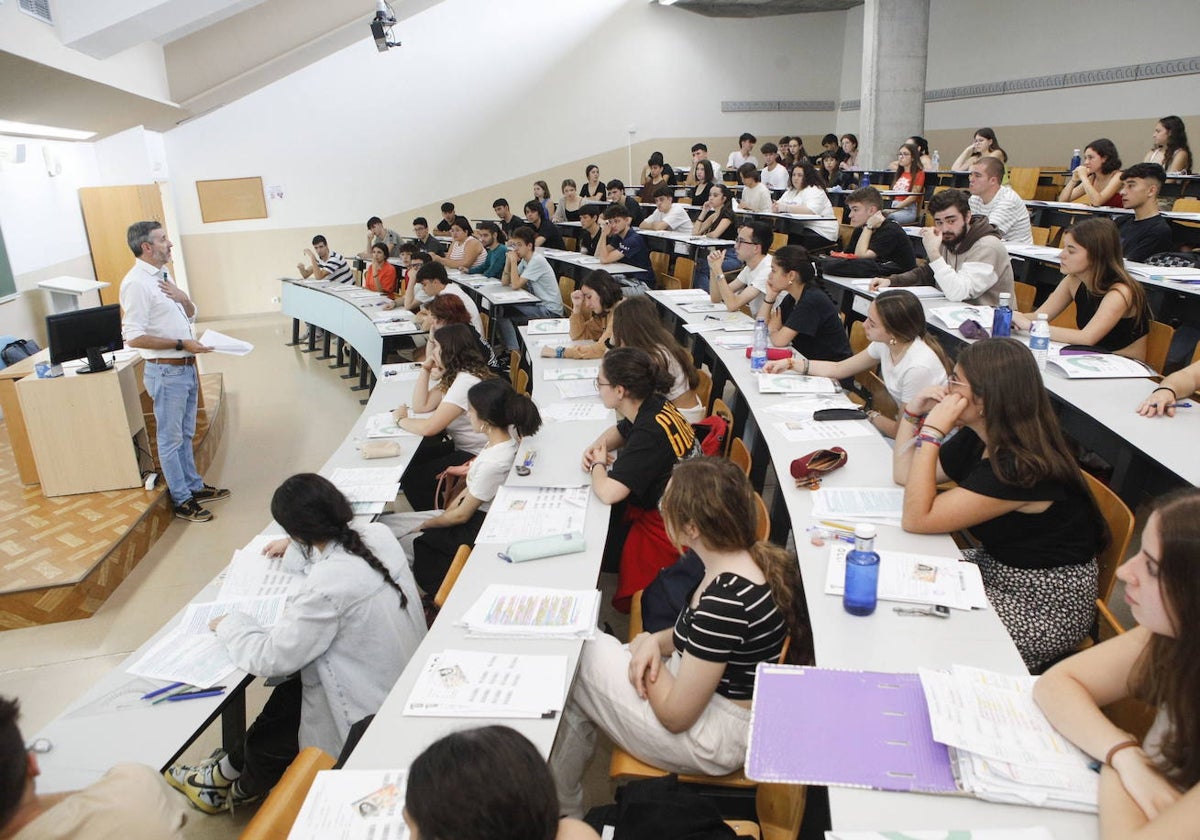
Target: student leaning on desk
[(591, 317), (1172, 391), (1149, 788)]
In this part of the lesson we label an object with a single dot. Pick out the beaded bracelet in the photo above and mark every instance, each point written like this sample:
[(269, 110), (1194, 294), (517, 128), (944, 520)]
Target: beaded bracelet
[(924, 438), (933, 430), (558, 352), (1116, 748), (807, 364), (915, 419)]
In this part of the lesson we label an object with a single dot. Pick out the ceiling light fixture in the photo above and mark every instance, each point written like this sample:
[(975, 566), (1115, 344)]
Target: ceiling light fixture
[(49, 132)]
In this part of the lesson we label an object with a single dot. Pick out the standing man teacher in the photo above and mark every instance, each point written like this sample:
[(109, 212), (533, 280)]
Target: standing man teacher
[(157, 319)]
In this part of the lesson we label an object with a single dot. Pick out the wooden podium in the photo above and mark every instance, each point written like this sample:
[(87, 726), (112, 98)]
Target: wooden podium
[(86, 433)]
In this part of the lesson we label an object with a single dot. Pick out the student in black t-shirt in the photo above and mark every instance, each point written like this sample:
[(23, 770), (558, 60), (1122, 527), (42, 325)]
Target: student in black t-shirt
[(1146, 233), (691, 714), (545, 231), (875, 236), (653, 437), (1019, 492), (805, 318)]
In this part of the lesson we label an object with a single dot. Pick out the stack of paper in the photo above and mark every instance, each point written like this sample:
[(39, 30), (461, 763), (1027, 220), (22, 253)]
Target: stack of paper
[(252, 575), (573, 389), (549, 326), (915, 579), (383, 425), (221, 343), (368, 489), (198, 659), (520, 513), (882, 505), (353, 805), (799, 431), (533, 612), (681, 295), (565, 374), (472, 683), (704, 306), (791, 383), (802, 409), (955, 316), (1099, 366), (568, 412)]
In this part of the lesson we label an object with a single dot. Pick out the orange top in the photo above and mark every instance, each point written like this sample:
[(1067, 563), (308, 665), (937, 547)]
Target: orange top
[(383, 281)]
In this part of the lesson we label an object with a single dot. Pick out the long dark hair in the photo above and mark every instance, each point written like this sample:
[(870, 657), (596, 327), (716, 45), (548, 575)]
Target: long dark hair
[(488, 783), (915, 164), (900, 313), (989, 134), (1100, 237), (1168, 674), (1176, 140), (636, 371), (714, 495), (635, 323), (497, 404), (311, 510), (605, 287), (459, 350), (1107, 149)]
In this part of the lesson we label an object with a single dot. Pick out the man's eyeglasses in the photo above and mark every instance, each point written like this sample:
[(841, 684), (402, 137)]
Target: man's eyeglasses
[(744, 241)]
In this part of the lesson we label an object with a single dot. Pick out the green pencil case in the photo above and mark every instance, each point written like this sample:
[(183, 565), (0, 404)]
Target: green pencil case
[(536, 549)]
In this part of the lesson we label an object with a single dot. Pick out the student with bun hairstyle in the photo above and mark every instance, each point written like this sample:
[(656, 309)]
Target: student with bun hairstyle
[(691, 712), (1149, 787), (651, 437), (432, 537)]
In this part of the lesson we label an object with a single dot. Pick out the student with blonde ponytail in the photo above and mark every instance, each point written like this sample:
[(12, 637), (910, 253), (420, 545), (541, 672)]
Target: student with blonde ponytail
[(680, 698), (349, 633)]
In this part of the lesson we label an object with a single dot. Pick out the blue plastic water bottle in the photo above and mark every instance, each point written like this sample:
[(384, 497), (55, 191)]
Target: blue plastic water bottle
[(1002, 318), (758, 355), (866, 180), (862, 573), (1075, 160)]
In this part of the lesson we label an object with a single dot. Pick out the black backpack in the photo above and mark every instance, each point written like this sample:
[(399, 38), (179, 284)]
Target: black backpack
[(15, 351)]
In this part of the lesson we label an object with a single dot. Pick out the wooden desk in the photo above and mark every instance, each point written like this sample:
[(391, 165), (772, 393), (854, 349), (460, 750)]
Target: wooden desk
[(10, 404)]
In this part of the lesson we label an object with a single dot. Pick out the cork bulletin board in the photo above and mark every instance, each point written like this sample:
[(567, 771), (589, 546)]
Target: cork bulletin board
[(232, 198)]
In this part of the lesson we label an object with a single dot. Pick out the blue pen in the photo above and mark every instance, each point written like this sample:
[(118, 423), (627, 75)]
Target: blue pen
[(163, 690), (196, 695), (1180, 405)]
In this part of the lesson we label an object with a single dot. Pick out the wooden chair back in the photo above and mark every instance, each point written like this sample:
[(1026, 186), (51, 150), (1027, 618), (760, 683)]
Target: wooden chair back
[(722, 410), (274, 818), (1066, 318), (739, 454), (660, 261), (570, 243), (858, 337), (704, 387), (1026, 293), (522, 384), (685, 268), (668, 283), (1041, 235), (1158, 344), (881, 399), (456, 567), (1120, 526), (1024, 181), (1186, 205), (485, 321), (778, 241), (514, 365), (566, 286), (763, 523), (1129, 713)]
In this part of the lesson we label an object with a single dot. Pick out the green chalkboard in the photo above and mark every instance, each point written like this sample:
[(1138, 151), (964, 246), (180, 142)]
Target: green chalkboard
[(8, 285)]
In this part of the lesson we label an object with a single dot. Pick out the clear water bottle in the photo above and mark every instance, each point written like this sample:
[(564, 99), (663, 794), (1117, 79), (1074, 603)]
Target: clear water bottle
[(1039, 340), (758, 355), (862, 573), (935, 161), (1002, 318), (1076, 159), (866, 180)]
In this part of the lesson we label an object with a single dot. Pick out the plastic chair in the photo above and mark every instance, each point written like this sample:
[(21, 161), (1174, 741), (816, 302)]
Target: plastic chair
[(565, 287), (1026, 293), (740, 455), (274, 818), (1158, 344), (456, 567)]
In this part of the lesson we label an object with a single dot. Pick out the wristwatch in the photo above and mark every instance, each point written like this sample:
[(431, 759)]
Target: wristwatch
[(178, 345)]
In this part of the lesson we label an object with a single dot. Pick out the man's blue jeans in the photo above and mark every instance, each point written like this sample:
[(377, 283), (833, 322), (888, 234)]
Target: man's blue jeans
[(175, 389)]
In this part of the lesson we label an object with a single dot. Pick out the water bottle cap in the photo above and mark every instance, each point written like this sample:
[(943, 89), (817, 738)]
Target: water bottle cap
[(1004, 296), (864, 531)]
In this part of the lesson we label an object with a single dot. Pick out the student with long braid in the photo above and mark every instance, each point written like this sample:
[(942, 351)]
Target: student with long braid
[(349, 633)]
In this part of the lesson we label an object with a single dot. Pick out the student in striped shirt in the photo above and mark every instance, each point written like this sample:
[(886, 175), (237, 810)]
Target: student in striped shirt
[(325, 264), (680, 698)]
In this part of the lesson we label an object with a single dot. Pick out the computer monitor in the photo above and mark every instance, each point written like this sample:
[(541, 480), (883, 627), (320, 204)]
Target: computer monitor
[(85, 333)]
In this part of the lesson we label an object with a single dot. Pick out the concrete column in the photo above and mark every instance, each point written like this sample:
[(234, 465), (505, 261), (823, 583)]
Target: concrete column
[(895, 50)]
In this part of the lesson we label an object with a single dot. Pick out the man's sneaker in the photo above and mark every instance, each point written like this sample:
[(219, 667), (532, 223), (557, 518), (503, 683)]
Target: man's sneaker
[(208, 493), (204, 785), (192, 512)]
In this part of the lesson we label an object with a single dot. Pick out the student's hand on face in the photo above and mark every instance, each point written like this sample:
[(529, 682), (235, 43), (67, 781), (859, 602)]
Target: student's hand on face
[(308, 253), (577, 298), (932, 239), (276, 548), (878, 283), (715, 259), (1080, 173), (923, 402), (945, 414)]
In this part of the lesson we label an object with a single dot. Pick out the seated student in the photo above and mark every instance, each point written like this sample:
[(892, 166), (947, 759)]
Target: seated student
[(591, 317), (654, 177), (1146, 233), (130, 801), (805, 317), (432, 281), (616, 195), (636, 323), (830, 170), (590, 232), (445, 310), (849, 145), (999, 203), (830, 146), (1096, 181), (414, 296), (690, 713), (753, 241), (465, 252), (568, 208), (1110, 306), (376, 232), (593, 187), (622, 243), (910, 177), (774, 174), (545, 231), (716, 221), (425, 239), (910, 359), (529, 271), (452, 365), (967, 260), (796, 150), (1148, 789), (1170, 149), (541, 194), (325, 264), (1178, 386), (877, 240), (653, 437), (492, 238), (1019, 492), (350, 631), (667, 214), (432, 537), (509, 221), (702, 181), (699, 153), (489, 783), (380, 275), (448, 216), (984, 145), (755, 197), (922, 153), (785, 151), (806, 196), (743, 155)]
